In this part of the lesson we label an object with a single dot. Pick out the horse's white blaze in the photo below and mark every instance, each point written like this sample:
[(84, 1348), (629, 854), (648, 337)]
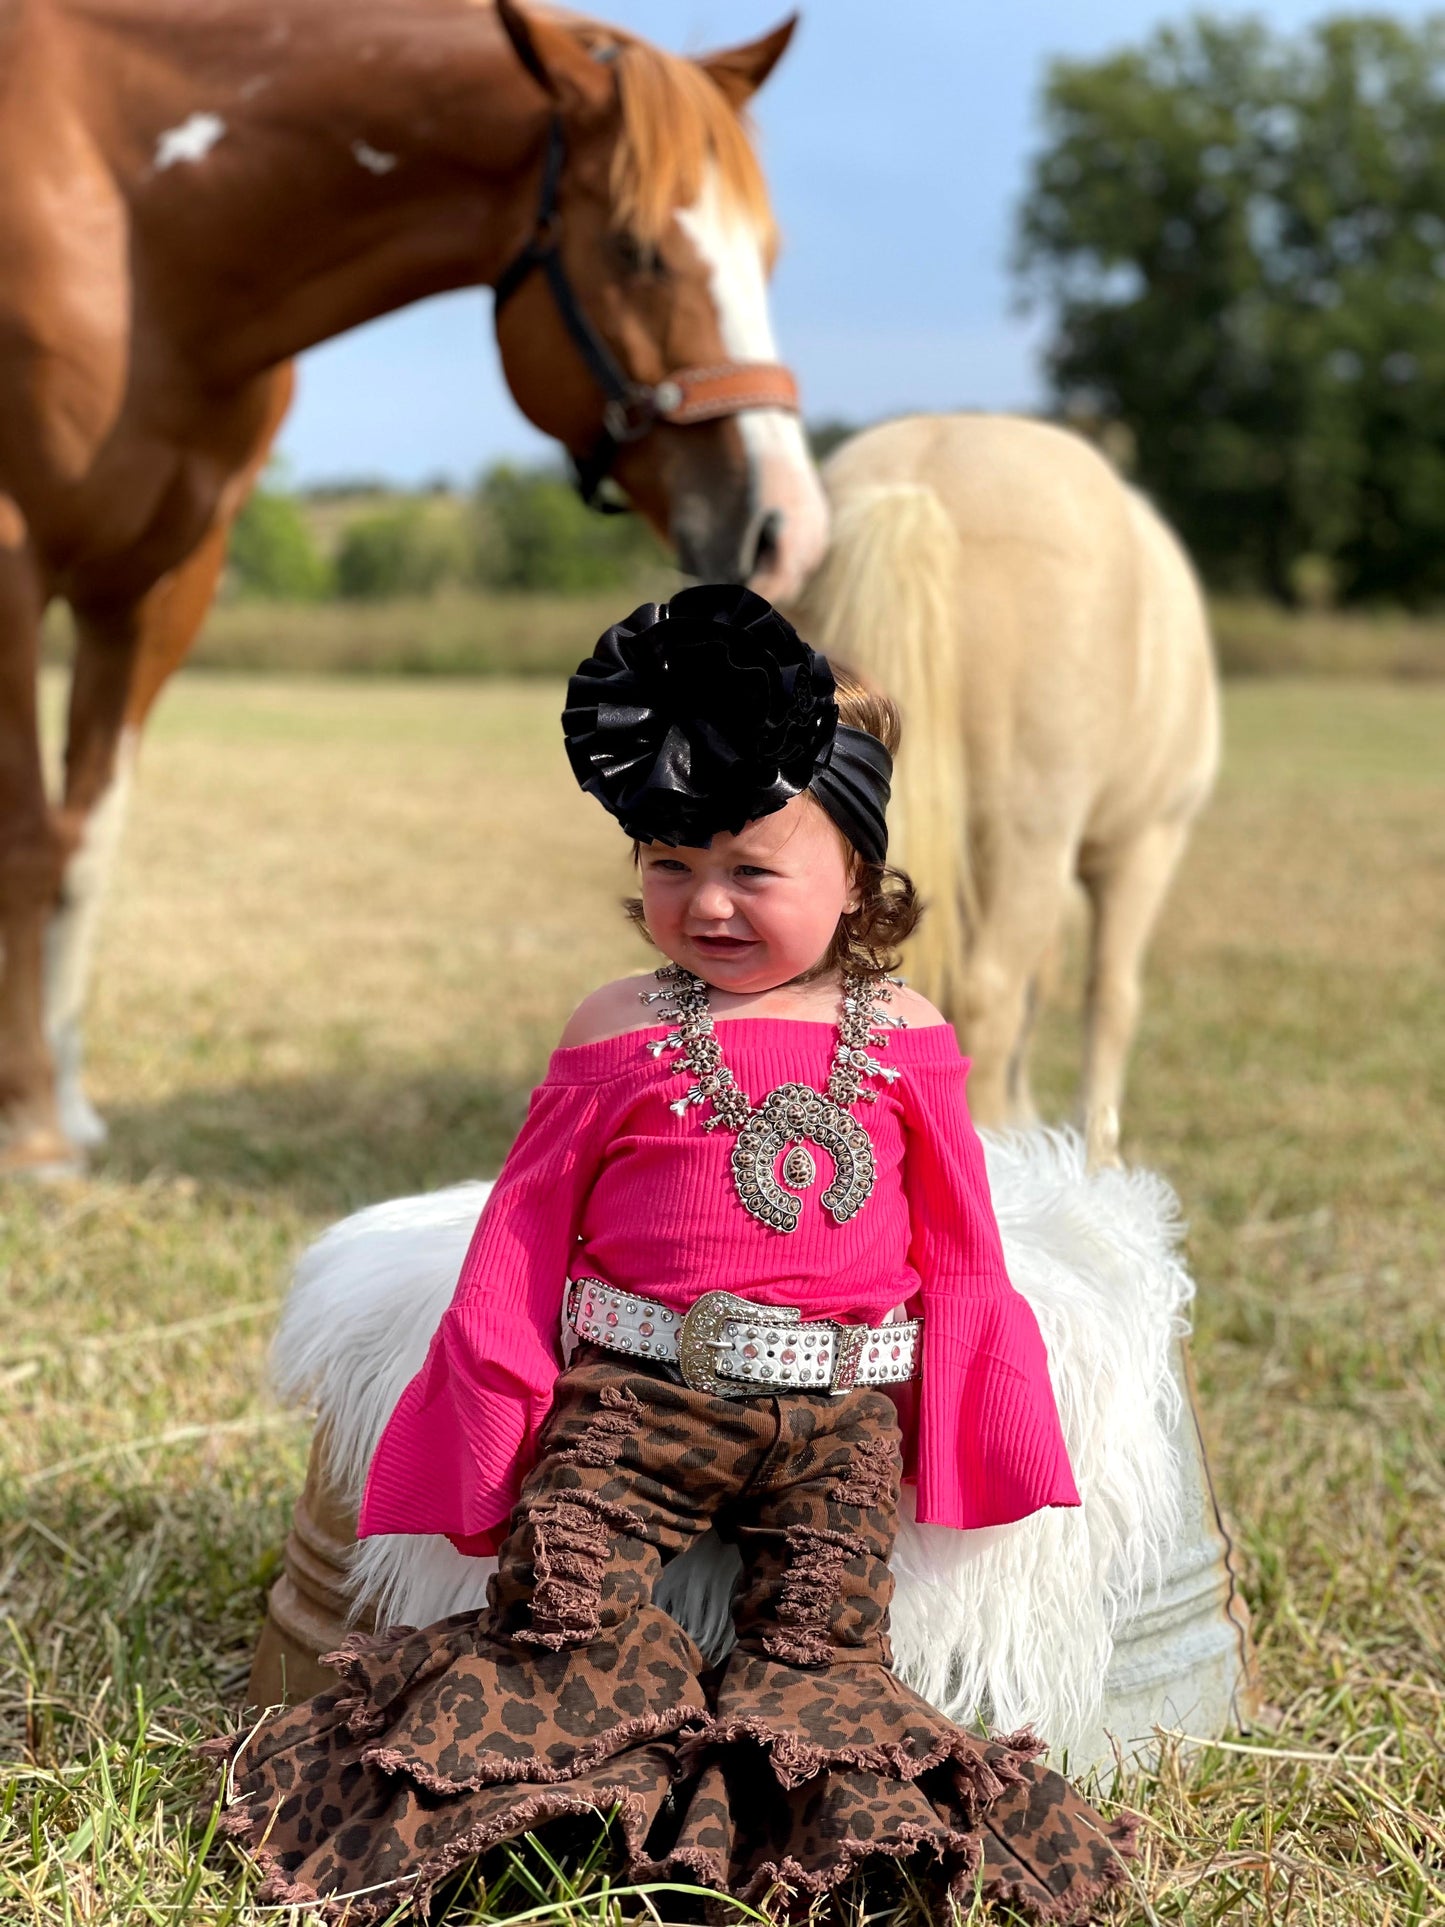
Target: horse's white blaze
[(70, 947), (785, 482)]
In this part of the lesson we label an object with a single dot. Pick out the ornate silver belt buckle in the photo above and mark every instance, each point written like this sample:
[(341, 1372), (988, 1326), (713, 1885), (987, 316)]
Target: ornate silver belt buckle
[(848, 1343), (700, 1338)]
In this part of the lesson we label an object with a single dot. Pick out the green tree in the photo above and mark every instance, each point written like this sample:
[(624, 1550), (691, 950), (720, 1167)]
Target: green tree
[(825, 436), (1242, 239), (533, 532), (401, 551), (272, 553)]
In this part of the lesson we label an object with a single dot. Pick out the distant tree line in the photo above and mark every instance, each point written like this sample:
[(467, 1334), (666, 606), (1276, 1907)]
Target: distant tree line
[(1240, 237), (520, 529)]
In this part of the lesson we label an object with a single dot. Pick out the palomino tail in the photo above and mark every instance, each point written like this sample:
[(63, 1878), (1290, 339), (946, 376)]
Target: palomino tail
[(887, 602)]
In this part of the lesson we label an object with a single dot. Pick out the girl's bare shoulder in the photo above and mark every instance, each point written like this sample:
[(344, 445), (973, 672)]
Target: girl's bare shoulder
[(915, 1010), (611, 1012)]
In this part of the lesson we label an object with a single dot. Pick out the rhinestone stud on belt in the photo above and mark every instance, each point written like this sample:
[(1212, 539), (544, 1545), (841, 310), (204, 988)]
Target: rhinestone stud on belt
[(792, 1116)]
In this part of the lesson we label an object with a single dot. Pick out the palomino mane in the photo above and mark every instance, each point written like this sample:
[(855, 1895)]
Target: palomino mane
[(676, 122)]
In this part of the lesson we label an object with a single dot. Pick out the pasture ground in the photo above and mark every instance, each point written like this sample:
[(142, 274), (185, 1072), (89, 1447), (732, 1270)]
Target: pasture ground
[(351, 919), (487, 632)]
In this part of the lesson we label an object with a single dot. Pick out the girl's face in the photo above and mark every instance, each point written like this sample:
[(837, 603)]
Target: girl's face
[(756, 909)]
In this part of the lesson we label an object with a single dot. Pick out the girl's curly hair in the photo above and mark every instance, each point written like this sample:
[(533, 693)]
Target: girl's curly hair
[(869, 938)]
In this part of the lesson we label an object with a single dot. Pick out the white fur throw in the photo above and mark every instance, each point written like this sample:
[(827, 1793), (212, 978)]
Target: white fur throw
[(1015, 1624)]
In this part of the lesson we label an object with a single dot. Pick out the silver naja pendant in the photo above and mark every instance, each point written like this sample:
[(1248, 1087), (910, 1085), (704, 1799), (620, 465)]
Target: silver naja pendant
[(788, 1116)]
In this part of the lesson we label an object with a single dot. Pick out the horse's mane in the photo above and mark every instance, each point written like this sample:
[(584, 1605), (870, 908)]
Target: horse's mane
[(675, 121)]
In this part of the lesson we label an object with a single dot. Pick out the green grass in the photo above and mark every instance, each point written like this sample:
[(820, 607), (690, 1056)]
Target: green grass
[(351, 920), (480, 633), (1256, 638), (456, 632), (474, 632)]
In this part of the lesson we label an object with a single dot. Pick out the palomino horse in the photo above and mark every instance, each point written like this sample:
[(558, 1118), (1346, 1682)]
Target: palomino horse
[(189, 196), (1046, 639)]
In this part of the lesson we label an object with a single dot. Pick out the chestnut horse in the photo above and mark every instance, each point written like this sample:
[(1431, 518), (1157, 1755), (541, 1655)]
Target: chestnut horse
[(190, 195)]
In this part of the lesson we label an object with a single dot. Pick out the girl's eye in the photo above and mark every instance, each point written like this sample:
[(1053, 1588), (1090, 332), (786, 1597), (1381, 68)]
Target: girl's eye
[(753, 870), (669, 864)]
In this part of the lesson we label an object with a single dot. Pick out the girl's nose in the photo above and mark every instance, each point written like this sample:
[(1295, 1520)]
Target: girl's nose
[(712, 902)]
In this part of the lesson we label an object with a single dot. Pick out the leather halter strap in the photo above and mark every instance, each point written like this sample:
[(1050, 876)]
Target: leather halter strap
[(632, 408)]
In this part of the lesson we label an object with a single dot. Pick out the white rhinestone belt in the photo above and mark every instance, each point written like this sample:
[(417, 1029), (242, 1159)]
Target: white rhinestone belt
[(729, 1346)]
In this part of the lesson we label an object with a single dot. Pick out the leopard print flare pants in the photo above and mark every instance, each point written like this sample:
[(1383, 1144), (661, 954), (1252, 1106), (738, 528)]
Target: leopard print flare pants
[(774, 1778)]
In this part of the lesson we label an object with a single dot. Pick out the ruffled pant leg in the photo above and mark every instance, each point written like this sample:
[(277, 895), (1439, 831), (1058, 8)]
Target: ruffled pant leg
[(822, 1762), (571, 1694)]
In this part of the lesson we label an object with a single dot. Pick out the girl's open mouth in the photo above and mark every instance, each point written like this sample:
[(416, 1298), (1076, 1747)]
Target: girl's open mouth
[(723, 946)]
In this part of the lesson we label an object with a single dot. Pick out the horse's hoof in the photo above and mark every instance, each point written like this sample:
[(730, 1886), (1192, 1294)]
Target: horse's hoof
[(43, 1155), (1101, 1140), (80, 1121)]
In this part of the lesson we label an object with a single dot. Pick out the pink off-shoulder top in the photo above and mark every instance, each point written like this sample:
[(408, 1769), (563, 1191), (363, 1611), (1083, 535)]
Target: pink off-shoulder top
[(605, 1181)]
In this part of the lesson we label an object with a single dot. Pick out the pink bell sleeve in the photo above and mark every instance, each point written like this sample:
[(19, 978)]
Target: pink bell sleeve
[(990, 1448), (464, 1431)]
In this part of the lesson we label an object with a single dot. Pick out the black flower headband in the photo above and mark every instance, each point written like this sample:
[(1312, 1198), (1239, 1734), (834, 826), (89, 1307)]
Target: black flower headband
[(692, 717)]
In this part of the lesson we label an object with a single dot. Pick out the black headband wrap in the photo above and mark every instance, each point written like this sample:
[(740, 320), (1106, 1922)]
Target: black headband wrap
[(695, 716), (853, 786)]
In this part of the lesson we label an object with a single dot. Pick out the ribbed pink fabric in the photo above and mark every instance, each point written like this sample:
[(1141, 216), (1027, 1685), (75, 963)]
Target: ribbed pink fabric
[(605, 1181)]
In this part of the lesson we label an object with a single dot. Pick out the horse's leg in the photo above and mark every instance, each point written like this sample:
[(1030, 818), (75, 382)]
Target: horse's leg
[(1126, 886), (70, 943), (123, 656), (31, 859), (1022, 1110), (1018, 918)]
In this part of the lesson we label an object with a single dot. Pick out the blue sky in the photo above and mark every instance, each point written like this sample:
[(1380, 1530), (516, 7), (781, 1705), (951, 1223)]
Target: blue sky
[(896, 142)]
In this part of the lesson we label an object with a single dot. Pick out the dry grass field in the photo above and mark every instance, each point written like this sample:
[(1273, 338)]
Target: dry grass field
[(493, 632), (351, 920)]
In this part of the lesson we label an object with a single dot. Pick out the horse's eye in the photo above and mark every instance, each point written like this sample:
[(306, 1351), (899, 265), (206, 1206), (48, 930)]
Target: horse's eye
[(638, 257)]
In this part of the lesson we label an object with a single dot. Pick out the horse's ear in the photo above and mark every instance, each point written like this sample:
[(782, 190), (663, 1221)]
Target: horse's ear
[(740, 71), (556, 60)]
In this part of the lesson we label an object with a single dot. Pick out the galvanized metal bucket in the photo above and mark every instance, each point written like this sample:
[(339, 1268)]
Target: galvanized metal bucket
[(1183, 1664)]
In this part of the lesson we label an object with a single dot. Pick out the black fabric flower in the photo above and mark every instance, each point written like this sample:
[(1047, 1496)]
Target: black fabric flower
[(694, 716)]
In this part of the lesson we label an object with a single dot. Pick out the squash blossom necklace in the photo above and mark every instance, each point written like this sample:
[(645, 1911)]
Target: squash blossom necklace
[(792, 1116)]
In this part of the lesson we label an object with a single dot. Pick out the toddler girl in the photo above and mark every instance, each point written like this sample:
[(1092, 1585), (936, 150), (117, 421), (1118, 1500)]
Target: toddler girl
[(756, 1204)]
